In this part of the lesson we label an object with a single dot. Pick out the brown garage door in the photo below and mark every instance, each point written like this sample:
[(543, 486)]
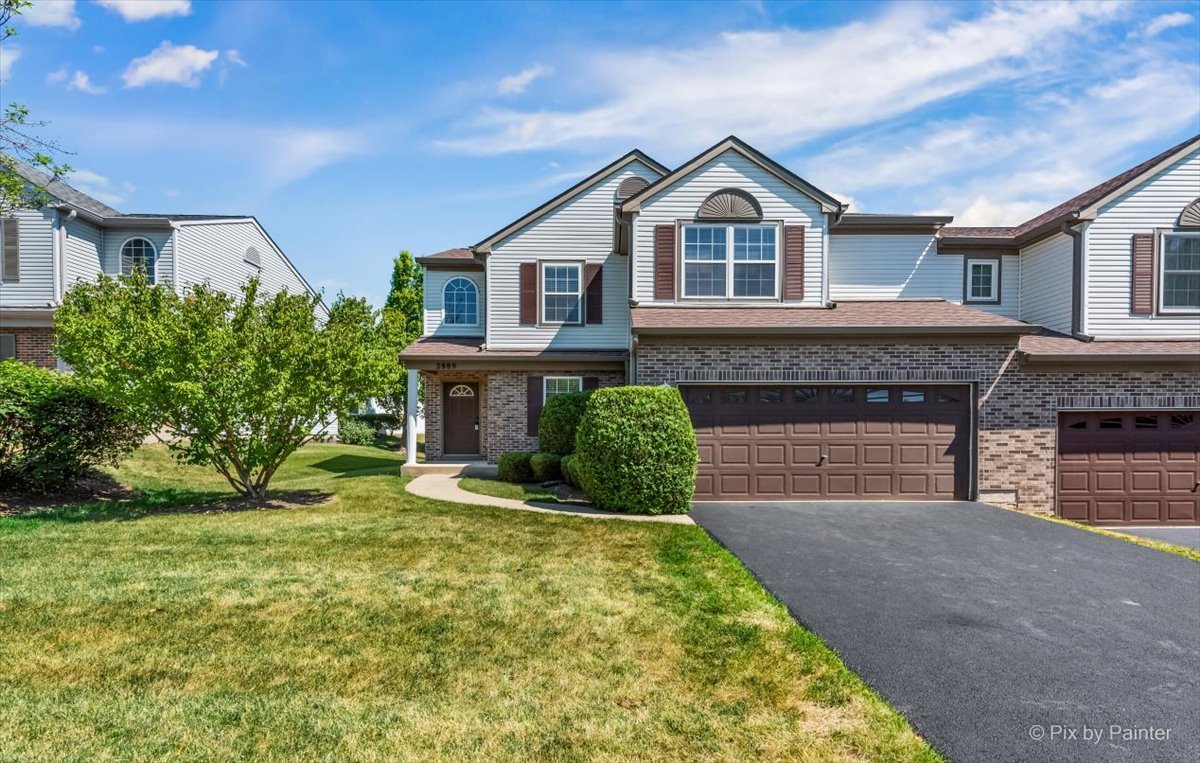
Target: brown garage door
[(1136, 467), (778, 442)]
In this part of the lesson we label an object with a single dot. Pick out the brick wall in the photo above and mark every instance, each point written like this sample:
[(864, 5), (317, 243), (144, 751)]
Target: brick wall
[(34, 345), (1016, 407)]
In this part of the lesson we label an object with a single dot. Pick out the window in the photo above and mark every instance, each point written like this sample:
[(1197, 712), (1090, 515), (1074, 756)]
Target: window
[(735, 396), (558, 385), (1146, 422), (770, 396), (805, 394), (461, 390), (710, 272), (841, 395), (912, 396), (1110, 422), (878, 396), (460, 303), (138, 253), (1180, 276), (560, 293), (983, 281)]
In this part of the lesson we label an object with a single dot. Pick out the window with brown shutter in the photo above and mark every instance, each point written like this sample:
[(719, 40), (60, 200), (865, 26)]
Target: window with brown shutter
[(529, 293), (1141, 291), (593, 279), (793, 262), (533, 403), (664, 262), (10, 249)]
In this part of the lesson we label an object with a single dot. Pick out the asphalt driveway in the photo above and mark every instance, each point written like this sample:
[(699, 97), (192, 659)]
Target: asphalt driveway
[(1002, 637)]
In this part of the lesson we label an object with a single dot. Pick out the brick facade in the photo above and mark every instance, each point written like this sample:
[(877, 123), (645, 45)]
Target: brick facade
[(503, 419), (1017, 415), (34, 345)]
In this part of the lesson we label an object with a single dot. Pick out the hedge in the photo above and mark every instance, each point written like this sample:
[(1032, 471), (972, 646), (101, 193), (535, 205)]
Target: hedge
[(559, 420), (546, 467), (515, 466), (636, 451), (570, 469), (354, 431)]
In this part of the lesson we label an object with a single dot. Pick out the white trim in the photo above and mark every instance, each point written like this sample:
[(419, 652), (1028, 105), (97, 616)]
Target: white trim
[(546, 380), (121, 256), (578, 264), (1162, 272), (474, 286), (730, 262), (994, 295), (1093, 209)]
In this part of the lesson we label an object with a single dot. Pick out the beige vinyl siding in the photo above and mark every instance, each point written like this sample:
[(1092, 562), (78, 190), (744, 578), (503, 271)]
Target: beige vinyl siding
[(1153, 203), (214, 253), (84, 251), (581, 230), (161, 238), (681, 200), (36, 285), (1046, 291), (435, 283)]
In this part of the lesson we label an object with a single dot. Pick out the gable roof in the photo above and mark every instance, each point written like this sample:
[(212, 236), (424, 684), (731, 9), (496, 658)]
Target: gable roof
[(733, 143), (485, 246), (63, 192), (1078, 206)]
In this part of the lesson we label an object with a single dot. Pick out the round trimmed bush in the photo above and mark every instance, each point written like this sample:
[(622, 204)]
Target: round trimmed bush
[(559, 420), (354, 431), (570, 467), (546, 467), (636, 450), (515, 466)]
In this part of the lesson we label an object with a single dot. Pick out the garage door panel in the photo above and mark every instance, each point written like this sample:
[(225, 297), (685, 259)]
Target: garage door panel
[(1110, 482), (1073, 481), (806, 454), (735, 484), (735, 455), (840, 455), (1182, 511), (706, 451), (1140, 481), (842, 485), (1074, 510), (877, 454), (770, 485), (806, 485), (841, 427), (1145, 511), (914, 455), (770, 455)]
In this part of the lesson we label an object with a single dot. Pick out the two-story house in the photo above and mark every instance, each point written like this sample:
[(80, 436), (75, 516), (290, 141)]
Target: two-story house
[(75, 237), (831, 355)]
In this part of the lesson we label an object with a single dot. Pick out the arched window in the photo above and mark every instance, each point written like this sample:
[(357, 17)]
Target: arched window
[(730, 204), (460, 302), (461, 390), (138, 253)]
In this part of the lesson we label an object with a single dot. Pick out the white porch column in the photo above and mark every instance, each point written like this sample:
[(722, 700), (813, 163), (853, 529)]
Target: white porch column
[(410, 416)]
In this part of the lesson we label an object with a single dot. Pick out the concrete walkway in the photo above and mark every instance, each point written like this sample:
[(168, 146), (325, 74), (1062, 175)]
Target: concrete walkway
[(444, 487)]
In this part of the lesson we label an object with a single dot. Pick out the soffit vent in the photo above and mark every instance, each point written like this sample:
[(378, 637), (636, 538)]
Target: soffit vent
[(629, 186), (1190, 216), (730, 204)]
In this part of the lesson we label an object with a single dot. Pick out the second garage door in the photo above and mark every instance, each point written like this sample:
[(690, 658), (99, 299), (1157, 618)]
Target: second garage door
[(780, 442)]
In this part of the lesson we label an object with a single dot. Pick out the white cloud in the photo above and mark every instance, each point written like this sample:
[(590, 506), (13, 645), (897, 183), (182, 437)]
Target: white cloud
[(1166, 21), (515, 84), (851, 203), (782, 88), (296, 153), (58, 76), (983, 211), (234, 57), (8, 56), (98, 49), (81, 82), (100, 187), (51, 13), (175, 64), (143, 10)]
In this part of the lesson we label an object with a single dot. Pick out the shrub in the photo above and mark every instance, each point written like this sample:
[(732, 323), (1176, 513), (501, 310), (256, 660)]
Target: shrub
[(546, 467), (515, 466), (570, 468), (637, 450), (559, 420), (380, 421), (354, 431), (53, 429)]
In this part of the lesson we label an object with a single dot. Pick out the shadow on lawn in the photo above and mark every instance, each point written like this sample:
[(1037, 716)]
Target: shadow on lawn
[(354, 466)]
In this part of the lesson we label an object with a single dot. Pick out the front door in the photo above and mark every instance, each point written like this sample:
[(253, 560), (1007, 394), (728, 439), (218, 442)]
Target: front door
[(462, 418)]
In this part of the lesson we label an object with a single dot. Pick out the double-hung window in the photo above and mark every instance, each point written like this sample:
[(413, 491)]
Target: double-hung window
[(983, 281), (1180, 276), (561, 295), (558, 385), (712, 271)]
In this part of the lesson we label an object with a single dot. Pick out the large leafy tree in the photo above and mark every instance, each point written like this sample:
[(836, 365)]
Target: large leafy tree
[(403, 320), (236, 383), (19, 139)]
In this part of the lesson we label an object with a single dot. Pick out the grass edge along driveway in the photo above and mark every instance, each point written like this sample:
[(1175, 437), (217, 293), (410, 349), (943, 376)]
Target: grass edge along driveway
[(364, 623)]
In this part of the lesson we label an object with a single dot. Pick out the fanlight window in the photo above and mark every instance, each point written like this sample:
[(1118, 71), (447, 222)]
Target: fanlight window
[(1190, 217), (629, 186), (252, 257), (461, 390), (460, 300), (730, 204), (138, 253)]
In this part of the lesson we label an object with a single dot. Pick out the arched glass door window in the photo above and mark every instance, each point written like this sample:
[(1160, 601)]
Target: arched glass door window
[(138, 253), (461, 390), (460, 301)]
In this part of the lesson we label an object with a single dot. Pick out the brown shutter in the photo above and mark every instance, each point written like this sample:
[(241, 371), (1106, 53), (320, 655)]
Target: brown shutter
[(1141, 300), (793, 262), (529, 293), (533, 405), (664, 262), (591, 382), (593, 279), (10, 263)]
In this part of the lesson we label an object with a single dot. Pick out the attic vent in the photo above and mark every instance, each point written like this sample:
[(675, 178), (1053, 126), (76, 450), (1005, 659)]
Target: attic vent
[(1190, 216), (253, 257), (629, 186), (730, 204)]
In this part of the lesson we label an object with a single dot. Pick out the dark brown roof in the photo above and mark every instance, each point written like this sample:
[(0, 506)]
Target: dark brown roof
[(459, 253), (430, 347), (1050, 346), (1072, 206), (871, 317)]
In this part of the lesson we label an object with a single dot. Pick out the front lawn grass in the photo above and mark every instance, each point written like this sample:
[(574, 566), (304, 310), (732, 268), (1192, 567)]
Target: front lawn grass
[(513, 490), (378, 626), (1113, 532)]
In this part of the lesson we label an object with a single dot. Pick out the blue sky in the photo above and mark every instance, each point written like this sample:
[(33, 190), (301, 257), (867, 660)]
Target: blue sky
[(354, 130)]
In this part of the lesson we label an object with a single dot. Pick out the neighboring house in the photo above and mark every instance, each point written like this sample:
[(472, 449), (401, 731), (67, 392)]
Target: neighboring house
[(43, 252), (832, 355)]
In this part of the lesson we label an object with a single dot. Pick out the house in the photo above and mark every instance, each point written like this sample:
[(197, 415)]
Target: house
[(831, 355), (76, 237)]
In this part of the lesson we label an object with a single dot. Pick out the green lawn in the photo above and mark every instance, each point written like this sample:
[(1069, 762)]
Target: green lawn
[(494, 487), (367, 624)]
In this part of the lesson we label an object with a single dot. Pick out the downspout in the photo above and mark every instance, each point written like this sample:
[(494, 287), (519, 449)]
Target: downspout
[(1076, 282)]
